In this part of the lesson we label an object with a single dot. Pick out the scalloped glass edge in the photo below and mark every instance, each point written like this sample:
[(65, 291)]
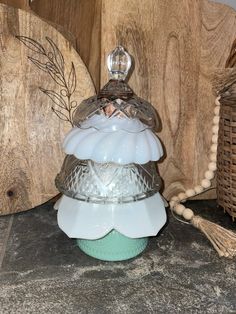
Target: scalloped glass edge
[(93, 221)]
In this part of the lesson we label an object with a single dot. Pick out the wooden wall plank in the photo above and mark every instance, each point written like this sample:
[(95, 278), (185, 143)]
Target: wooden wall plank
[(82, 19), (218, 32), (20, 4), (161, 36), (176, 46)]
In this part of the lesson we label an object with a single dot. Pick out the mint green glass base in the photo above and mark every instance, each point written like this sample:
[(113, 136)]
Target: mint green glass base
[(113, 247)]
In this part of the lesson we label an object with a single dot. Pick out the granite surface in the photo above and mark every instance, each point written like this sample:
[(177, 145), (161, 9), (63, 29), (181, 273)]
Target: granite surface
[(42, 270)]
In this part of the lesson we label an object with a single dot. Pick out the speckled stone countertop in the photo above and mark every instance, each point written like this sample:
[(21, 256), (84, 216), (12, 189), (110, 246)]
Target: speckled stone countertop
[(42, 271)]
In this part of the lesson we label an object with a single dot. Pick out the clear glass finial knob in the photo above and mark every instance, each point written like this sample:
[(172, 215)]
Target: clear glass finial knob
[(118, 63)]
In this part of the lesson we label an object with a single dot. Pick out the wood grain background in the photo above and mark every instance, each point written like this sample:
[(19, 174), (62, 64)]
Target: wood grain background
[(83, 20), (31, 134), (176, 45)]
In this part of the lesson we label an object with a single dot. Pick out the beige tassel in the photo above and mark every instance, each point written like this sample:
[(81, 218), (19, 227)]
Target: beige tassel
[(223, 240)]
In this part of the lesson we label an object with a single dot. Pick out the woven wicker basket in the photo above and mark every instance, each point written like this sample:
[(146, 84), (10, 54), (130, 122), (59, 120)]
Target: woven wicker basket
[(226, 160)]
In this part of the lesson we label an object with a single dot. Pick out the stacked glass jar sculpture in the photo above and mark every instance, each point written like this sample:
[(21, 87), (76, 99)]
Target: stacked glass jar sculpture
[(109, 181)]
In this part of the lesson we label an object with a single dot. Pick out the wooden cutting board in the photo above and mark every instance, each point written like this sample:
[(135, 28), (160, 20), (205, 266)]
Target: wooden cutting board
[(30, 131)]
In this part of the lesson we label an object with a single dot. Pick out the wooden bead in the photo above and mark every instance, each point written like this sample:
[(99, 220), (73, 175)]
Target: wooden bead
[(206, 183), (190, 193), (217, 103), (179, 209), (214, 148), (217, 110), (188, 214), (198, 189), (212, 166), (216, 120), (214, 139), (209, 175), (172, 204), (215, 129), (213, 157), (174, 198), (181, 196)]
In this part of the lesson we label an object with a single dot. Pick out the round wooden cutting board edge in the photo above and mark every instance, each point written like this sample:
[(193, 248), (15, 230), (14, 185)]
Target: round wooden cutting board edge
[(28, 167)]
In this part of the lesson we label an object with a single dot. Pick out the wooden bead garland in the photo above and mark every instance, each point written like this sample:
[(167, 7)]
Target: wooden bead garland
[(188, 214), (209, 174), (212, 166), (214, 139), (215, 129), (217, 110), (216, 120), (172, 204), (175, 198), (214, 148), (179, 209), (213, 157), (205, 183), (224, 241), (182, 196), (190, 193), (198, 189)]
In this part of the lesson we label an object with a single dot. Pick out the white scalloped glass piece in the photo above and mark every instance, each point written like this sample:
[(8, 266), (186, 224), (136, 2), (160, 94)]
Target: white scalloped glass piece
[(57, 204), (84, 220), (112, 124), (120, 147)]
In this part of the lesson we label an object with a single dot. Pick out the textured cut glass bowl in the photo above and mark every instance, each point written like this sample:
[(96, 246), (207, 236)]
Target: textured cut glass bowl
[(107, 183)]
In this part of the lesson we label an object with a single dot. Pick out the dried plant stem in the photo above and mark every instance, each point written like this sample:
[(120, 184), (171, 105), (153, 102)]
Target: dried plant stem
[(53, 63)]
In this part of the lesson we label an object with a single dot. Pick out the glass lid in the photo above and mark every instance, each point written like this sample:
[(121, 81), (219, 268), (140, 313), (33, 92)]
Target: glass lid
[(116, 98)]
